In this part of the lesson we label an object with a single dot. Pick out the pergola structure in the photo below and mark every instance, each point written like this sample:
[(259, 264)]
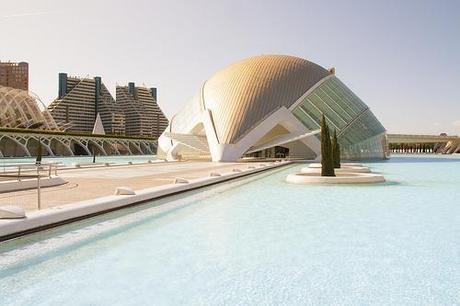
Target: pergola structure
[(23, 109), (25, 122), (13, 143)]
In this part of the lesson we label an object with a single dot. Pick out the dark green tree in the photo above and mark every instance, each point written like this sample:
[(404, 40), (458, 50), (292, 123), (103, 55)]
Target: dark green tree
[(327, 162), (335, 150), (93, 151), (38, 161)]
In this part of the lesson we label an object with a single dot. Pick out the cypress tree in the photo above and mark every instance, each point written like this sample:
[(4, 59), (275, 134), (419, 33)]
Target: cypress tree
[(94, 155), (327, 162), (38, 161), (335, 150)]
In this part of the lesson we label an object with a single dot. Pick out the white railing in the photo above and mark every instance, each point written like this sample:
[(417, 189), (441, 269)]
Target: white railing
[(27, 171)]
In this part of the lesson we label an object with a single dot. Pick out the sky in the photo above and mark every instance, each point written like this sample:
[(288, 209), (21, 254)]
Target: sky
[(402, 58)]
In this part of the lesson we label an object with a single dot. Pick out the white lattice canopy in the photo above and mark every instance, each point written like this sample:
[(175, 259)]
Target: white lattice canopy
[(23, 109)]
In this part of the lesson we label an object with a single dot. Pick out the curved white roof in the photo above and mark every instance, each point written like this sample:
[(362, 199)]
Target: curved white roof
[(244, 93)]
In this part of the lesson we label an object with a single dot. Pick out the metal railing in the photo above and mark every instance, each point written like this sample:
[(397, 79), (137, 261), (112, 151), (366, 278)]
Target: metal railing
[(28, 171)]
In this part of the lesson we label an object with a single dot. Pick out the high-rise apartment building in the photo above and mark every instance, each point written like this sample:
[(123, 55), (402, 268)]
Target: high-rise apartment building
[(135, 111), (80, 100), (142, 114), (15, 75)]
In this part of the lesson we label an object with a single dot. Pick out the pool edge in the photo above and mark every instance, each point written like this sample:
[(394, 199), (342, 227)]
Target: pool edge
[(61, 215)]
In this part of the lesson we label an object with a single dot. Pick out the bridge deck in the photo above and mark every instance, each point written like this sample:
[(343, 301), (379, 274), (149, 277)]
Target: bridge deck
[(408, 138)]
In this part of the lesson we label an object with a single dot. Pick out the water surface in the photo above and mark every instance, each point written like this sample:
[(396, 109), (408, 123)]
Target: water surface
[(258, 241)]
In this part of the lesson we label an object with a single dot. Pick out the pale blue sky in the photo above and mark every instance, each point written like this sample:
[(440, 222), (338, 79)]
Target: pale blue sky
[(401, 57)]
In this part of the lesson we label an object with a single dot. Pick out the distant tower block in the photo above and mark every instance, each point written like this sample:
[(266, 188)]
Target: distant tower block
[(80, 100), (14, 75), (153, 91), (62, 85), (97, 94), (143, 115), (131, 88)]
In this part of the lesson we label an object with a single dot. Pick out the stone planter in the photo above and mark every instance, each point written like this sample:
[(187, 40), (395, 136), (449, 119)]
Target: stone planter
[(318, 165), (344, 169), (340, 178)]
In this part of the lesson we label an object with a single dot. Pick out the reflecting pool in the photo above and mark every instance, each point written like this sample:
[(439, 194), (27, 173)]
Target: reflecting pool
[(258, 241)]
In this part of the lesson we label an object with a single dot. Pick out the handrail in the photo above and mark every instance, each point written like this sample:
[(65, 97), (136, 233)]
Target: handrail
[(23, 171), (29, 164)]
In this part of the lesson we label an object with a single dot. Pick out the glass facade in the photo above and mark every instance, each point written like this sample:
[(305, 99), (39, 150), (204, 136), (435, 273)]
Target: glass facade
[(360, 134)]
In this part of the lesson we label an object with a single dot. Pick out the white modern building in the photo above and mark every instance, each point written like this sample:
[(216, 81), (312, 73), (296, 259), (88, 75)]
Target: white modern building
[(21, 109), (271, 106), (25, 122)]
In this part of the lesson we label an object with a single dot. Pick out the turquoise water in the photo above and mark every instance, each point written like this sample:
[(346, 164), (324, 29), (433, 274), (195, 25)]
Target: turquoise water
[(70, 160), (258, 241)]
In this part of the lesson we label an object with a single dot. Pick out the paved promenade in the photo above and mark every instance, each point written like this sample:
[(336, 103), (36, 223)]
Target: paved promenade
[(90, 183)]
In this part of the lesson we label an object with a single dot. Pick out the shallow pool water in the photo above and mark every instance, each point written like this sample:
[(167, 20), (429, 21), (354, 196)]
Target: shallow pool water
[(258, 241)]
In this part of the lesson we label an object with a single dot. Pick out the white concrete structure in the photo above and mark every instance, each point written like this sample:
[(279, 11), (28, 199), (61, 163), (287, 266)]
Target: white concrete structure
[(340, 178), (12, 212), (98, 127), (318, 165), (25, 143), (343, 169), (124, 191), (22, 113), (30, 183), (68, 212), (22, 109), (413, 144), (271, 106)]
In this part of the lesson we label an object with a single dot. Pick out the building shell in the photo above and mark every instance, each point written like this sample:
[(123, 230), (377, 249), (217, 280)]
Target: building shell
[(256, 105), (25, 143), (23, 109), (25, 122)]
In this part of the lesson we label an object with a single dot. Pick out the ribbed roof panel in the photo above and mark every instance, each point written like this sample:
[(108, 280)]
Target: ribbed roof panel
[(244, 93)]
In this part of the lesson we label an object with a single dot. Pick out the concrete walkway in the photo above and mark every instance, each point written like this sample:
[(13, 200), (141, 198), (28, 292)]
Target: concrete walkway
[(85, 184)]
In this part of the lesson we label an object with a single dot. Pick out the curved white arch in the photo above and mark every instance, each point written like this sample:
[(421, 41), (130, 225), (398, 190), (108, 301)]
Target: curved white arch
[(97, 145), (24, 148)]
